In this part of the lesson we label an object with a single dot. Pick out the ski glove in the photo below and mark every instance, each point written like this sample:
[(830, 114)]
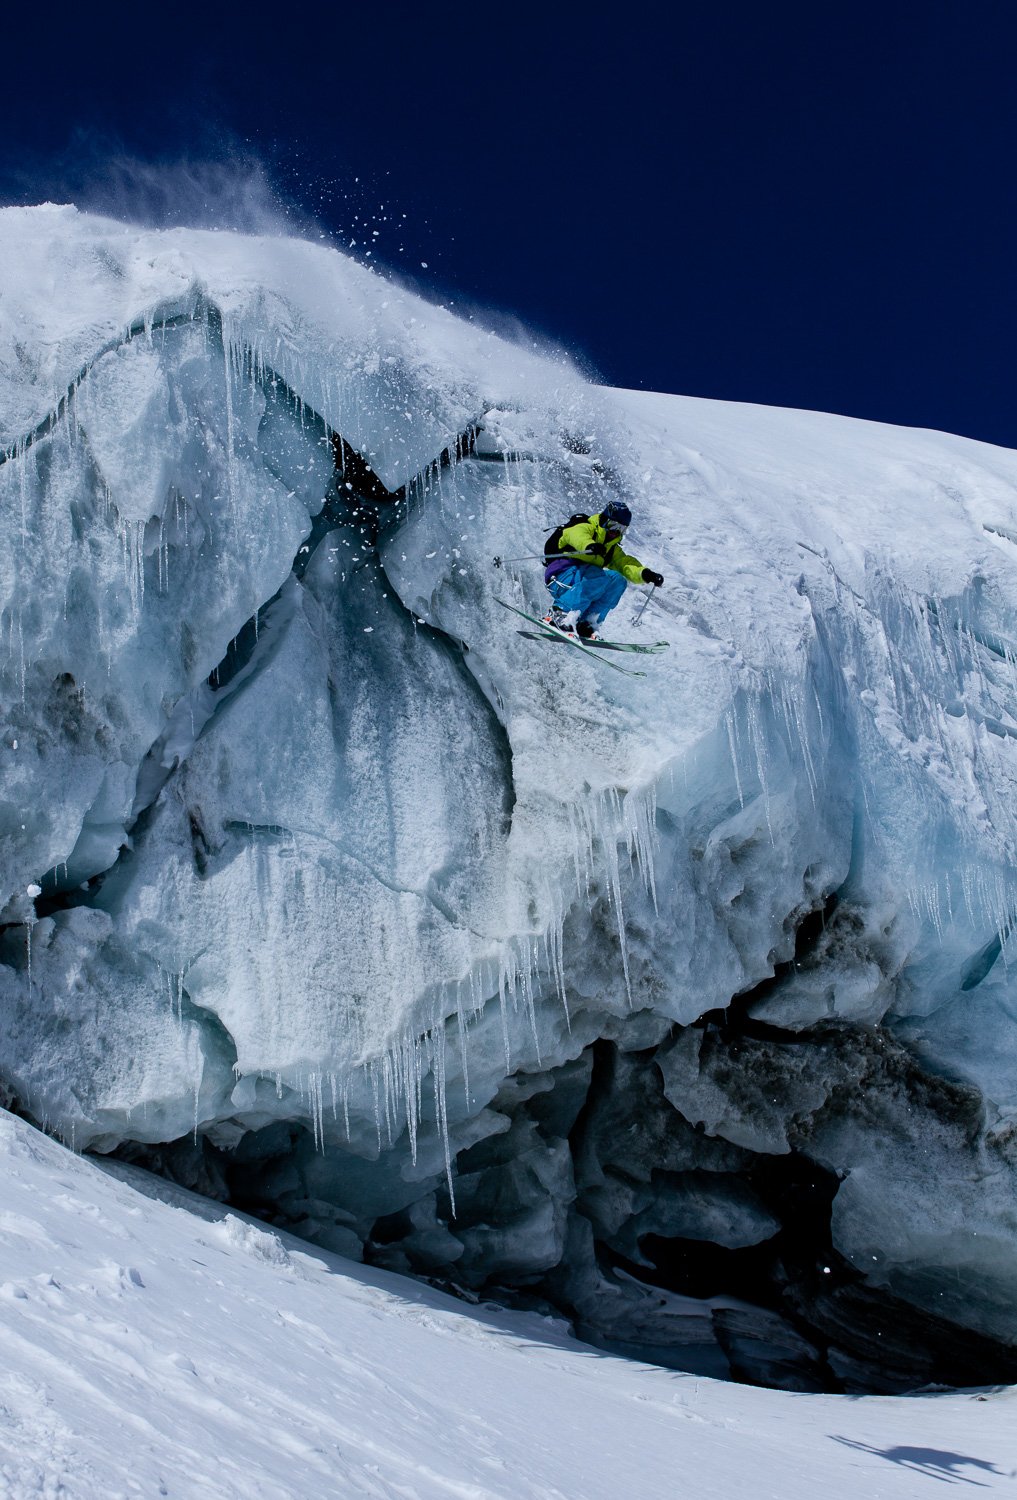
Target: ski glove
[(649, 576)]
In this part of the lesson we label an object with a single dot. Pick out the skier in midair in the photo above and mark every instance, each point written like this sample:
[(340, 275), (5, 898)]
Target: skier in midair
[(591, 585)]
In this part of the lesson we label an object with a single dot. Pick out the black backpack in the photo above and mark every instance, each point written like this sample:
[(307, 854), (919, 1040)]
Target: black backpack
[(552, 547)]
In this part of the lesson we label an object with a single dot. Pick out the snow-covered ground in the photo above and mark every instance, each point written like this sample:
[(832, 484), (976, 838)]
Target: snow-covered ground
[(156, 1345)]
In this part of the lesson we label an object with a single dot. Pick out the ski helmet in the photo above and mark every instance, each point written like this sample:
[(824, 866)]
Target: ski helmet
[(616, 513)]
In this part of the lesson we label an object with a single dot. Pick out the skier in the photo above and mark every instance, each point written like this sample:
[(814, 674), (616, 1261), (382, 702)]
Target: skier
[(593, 584)]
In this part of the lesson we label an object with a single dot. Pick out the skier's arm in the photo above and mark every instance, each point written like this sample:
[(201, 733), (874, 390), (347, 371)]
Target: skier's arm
[(629, 567), (581, 540)]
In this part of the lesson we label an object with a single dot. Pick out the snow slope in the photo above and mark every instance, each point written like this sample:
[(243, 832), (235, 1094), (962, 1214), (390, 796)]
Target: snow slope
[(156, 1345), (320, 882)]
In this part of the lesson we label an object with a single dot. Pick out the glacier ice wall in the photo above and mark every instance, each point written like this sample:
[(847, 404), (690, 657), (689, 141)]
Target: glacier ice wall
[(680, 1002)]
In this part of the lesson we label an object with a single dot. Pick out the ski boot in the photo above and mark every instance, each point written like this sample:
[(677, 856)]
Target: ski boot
[(586, 632), (555, 617)]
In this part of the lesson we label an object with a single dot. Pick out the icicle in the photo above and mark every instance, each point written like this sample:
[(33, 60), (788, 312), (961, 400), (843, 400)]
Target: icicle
[(200, 1074), (504, 1017), (759, 749), (463, 1049), (373, 1076), (615, 884), (528, 999), (228, 370), (729, 724), (441, 1115), (317, 1110), (411, 1090)]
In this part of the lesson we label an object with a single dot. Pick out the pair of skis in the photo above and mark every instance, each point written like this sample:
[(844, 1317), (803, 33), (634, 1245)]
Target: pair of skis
[(546, 632)]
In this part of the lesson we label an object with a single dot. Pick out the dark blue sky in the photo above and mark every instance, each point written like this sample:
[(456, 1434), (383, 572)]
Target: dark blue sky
[(805, 204)]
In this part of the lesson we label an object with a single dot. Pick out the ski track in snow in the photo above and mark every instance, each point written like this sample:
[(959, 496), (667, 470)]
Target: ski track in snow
[(155, 1344)]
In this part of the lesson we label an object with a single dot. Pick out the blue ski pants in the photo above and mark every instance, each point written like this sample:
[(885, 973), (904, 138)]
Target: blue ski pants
[(584, 587)]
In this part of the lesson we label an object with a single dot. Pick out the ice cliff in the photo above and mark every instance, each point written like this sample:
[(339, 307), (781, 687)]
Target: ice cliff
[(679, 1003)]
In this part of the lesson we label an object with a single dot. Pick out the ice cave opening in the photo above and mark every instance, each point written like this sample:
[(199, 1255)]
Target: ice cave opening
[(600, 1204)]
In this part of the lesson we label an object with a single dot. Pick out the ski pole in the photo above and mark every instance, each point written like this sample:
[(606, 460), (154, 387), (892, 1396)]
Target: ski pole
[(645, 603), (500, 562)]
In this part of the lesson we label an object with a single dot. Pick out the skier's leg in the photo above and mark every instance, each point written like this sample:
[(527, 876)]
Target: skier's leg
[(600, 593), (555, 615), (565, 589)]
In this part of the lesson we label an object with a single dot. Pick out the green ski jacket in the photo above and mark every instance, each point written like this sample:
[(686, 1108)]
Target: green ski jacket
[(588, 540)]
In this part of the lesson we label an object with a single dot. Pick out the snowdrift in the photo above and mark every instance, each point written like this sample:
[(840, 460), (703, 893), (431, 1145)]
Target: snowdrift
[(679, 1002), (156, 1344)]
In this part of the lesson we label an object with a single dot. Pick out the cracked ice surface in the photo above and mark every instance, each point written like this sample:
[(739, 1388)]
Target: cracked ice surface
[(409, 858)]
